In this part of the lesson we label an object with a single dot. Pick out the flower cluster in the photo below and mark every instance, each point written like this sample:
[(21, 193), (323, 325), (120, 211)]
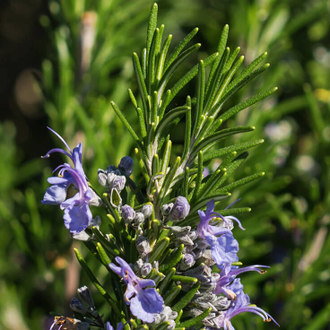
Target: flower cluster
[(204, 248)]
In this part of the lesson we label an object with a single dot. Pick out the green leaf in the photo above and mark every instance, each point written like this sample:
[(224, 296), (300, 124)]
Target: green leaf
[(171, 295), (191, 322), (163, 326), (103, 255), (159, 249), (221, 48), (168, 182), (162, 58), (168, 119), (185, 279), (169, 72), (166, 281), (200, 97), (179, 48), (210, 140), (166, 156), (142, 86), (233, 211), (203, 201), (243, 105), (241, 182), (235, 147), (190, 75), (212, 183), (186, 145), (105, 243), (174, 258), (96, 283), (186, 299), (199, 177), (151, 26), (151, 62), (125, 122)]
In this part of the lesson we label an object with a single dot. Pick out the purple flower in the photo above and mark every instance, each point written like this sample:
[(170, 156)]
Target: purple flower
[(242, 304), (126, 165), (228, 277), (224, 247), (144, 302), (77, 215)]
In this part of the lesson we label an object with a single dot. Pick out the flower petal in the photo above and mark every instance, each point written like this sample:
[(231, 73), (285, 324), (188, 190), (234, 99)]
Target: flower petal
[(55, 194), (77, 218), (146, 303)]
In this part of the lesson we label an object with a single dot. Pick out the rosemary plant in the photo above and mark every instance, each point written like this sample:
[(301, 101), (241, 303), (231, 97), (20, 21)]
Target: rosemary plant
[(169, 247)]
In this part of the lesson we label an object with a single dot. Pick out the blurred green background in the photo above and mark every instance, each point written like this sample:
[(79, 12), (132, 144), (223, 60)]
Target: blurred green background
[(61, 64)]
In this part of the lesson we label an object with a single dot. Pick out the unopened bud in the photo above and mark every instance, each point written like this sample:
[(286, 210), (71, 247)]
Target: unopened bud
[(146, 269), (180, 209), (85, 295), (127, 213), (126, 165), (119, 182), (187, 261), (77, 306), (139, 218), (102, 177), (143, 246), (147, 210), (166, 209)]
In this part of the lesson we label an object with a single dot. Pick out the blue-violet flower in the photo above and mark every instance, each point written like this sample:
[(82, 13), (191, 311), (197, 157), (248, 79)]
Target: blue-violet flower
[(144, 302)]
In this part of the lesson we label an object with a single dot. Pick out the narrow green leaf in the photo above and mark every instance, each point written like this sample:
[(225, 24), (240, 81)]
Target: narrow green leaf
[(248, 69), (174, 258), (190, 75), (203, 201), (186, 145), (186, 299), (191, 322), (154, 109), (185, 279), (132, 97), (210, 140), (212, 183), (177, 320), (168, 119), (162, 58), (221, 48), (235, 147), (185, 182), (231, 60), (166, 280), (142, 87), (241, 182), (215, 109), (199, 177), (179, 48), (200, 97), (205, 128), (103, 255), (155, 164), (142, 124), (164, 104), (233, 211), (168, 182), (144, 63), (163, 326), (171, 295), (105, 242), (151, 26), (166, 156), (215, 80), (171, 69), (232, 89), (243, 105), (151, 63), (159, 249), (96, 283)]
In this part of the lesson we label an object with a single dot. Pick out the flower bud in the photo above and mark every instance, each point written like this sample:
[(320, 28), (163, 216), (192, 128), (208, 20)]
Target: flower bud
[(146, 269), (119, 182), (143, 246), (127, 213), (126, 165), (81, 236), (77, 306), (102, 177), (147, 210), (111, 168), (139, 218), (166, 209), (85, 295), (180, 209), (187, 261)]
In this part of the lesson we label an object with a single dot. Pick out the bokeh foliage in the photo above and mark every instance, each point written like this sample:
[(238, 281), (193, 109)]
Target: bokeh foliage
[(88, 63)]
